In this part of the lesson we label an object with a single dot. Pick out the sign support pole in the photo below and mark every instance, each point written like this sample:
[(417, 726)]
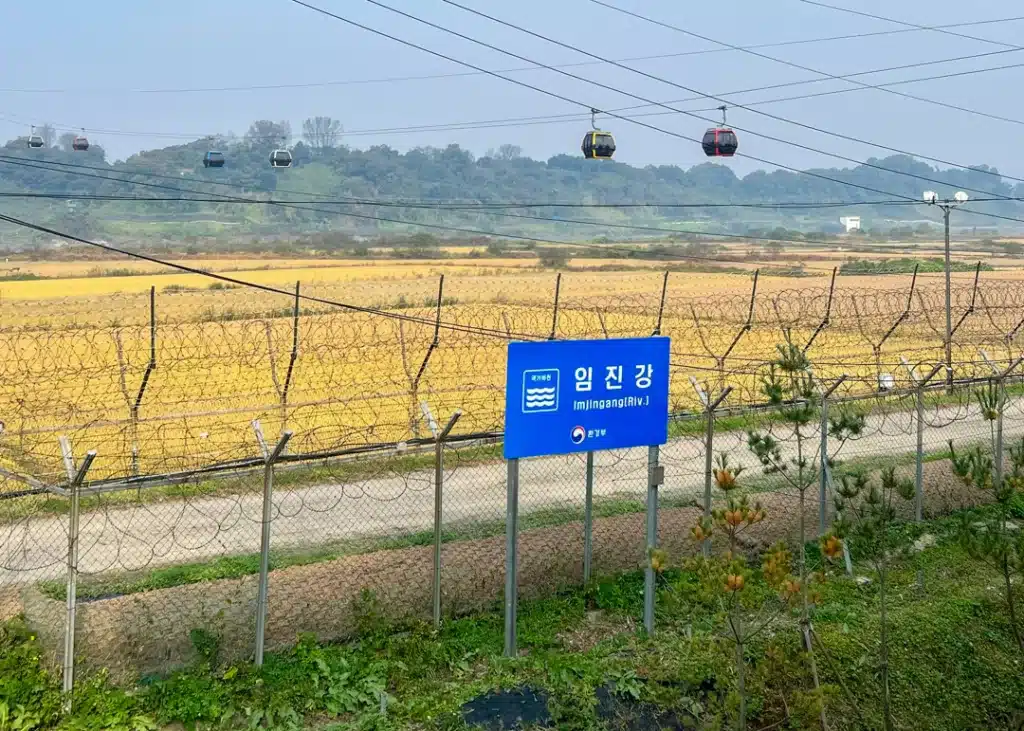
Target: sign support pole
[(588, 522), (511, 557), (655, 476)]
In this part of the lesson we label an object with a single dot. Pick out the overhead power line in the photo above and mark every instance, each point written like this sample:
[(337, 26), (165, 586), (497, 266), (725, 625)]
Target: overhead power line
[(634, 121), (655, 77), (604, 248), (460, 74), (912, 26), (570, 100), (823, 74), (480, 232), (576, 117), (292, 294), (481, 207)]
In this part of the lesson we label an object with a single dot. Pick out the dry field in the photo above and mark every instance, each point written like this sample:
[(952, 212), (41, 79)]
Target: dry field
[(75, 350)]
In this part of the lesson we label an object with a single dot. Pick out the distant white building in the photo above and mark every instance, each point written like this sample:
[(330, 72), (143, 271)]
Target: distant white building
[(852, 223)]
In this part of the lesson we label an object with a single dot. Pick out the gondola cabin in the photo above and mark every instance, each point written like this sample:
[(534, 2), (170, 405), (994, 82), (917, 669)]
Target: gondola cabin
[(280, 159), (35, 142), (720, 142), (213, 159), (598, 145), (80, 144)]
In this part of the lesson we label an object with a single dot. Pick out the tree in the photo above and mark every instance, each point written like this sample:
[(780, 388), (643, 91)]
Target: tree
[(724, 582), (266, 132), (789, 385), (991, 536), (321, 132), (509, 152), (864, 511), (66, 141), (49, 134)]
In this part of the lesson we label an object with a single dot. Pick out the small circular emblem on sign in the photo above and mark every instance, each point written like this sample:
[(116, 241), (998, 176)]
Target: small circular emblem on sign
[(578, 434)]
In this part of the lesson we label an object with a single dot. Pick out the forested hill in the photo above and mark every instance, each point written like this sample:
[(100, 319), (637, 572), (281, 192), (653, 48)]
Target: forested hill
[(454, 174)]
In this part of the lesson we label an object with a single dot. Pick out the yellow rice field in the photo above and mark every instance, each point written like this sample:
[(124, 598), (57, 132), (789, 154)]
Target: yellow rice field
[(76, 351)]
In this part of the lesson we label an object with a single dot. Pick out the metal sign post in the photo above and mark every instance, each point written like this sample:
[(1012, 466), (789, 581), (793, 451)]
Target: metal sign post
[(574, 396)]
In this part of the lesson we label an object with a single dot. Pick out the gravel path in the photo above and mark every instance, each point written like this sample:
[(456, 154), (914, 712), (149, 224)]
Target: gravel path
[(145, 535)]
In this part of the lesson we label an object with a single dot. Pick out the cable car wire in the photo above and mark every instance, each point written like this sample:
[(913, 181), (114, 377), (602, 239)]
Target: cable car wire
[(692, 90), (625, 93), (570, 100), (461, 229), (28, 162), (482, 207), (184, 268), (566, 118), (627, 252), (912, 26), (427, 77), (832, 77)]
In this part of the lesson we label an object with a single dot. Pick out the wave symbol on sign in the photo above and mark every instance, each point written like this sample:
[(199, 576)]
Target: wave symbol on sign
[(540, 398)]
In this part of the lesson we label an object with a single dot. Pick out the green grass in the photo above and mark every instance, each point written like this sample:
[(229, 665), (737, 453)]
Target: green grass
[(953, 663), (904, 265)]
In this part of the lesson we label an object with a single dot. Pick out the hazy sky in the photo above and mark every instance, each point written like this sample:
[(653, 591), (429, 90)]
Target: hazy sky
[(88, 57)]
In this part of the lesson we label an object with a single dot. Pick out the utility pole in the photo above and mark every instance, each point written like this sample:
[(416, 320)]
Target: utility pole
[(947, 206)]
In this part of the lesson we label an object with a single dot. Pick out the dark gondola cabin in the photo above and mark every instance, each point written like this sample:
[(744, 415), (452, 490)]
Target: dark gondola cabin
[(80, 144), (280, 159), (35, 142), (213, 159), (598, 145), (720, 141)]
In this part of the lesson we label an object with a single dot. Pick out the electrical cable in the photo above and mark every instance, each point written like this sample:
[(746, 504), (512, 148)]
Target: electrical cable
[(263, 287), (479, 232), (426, 77), (601, 85), (567, 118), (913, 26), (478, 207), (823, 74), (663, 80), (626, 252), (570, 100)]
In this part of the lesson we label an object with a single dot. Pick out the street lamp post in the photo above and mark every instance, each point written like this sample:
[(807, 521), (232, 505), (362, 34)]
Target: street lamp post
[(947, 206)]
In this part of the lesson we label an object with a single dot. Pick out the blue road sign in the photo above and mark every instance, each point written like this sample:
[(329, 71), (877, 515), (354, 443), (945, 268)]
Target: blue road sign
[(564, 396)]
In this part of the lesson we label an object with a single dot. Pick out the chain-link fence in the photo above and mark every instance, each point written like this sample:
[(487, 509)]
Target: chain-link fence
[(197, 521)]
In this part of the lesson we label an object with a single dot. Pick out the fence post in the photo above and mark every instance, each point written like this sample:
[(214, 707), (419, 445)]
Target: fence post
[(661, 305), (150, 367), (1000, 379), (511, 558), (292, 357), (75, 479), (554, 314), (588, 521), (270, 456), (439, 437), (709, 446), (655, 477), (919, 385), (825, 475)]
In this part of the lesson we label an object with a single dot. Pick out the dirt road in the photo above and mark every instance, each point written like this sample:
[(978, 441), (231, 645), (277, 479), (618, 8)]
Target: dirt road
[(147, 535)]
